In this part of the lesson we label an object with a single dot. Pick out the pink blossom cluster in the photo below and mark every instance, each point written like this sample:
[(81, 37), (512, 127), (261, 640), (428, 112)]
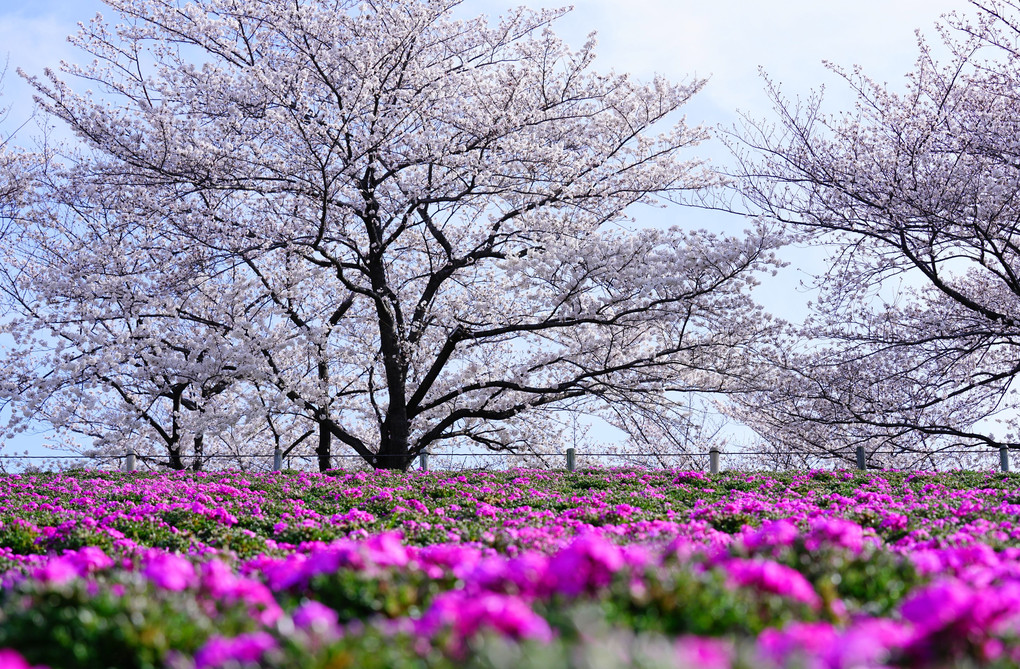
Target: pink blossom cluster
[(276, 509), (973, 606), (557, 547)]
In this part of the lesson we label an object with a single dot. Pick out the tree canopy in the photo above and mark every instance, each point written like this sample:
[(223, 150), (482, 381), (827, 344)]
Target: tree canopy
[(912, 346), (361, 223)]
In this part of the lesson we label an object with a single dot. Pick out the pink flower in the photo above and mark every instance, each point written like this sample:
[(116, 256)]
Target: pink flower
[(12, 659), (799, 644), (950, 617), (57, 570), (89, 559), (771, 534), (465, 614), (219, 651), (221, 583), (316, 616), (771, 577), (868, 643), (218, 578), (694, 651), (286, 573), (938, 605), (835, 532), (589, 562), (437, 558), (170, 571), (387, 550)]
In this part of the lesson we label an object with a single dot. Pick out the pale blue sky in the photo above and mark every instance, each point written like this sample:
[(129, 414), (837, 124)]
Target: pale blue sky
[(726, 40)]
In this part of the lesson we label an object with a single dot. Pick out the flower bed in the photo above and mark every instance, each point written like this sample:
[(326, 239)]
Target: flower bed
[(510, 569)]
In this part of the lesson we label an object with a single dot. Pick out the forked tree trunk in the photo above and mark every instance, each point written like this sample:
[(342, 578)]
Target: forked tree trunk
[(322, 450), (197, 463), (394, 448), (174, 456)]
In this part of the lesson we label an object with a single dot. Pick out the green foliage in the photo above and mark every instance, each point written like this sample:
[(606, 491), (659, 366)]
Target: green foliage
[(357, 596), (86, 626), (681, 601)]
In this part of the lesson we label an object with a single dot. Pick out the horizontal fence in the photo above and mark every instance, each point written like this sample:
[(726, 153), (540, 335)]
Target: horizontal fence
[(129, 460)]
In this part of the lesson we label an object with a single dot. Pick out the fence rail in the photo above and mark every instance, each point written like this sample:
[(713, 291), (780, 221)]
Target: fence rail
[(130, 459)]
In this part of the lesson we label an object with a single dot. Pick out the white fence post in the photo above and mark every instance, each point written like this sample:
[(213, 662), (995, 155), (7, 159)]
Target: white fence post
[(423, 460), (713, 460), (129, 461)]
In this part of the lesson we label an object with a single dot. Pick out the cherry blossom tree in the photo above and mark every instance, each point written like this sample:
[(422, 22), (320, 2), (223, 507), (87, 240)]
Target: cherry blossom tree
[(15, 167), (98, 353), (912, 345), (376, 224)]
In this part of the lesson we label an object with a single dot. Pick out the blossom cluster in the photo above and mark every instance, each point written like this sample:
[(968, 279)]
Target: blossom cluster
[(654, 568)]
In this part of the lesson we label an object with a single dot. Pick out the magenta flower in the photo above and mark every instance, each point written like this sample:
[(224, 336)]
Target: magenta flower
[(285, 573), (466, 614), (799, 645), (219, 651), (588, 563), (438, 558), (170, 571), (220, 582), (386, 549), (218, 578), (89, 559), (771, 534), (313, 615), (529, 573), (868, 643), (836, 532), (694, 651), (939, 605), (324, 561), (56, 571), (952, 617), (12, 659), (771, 577)]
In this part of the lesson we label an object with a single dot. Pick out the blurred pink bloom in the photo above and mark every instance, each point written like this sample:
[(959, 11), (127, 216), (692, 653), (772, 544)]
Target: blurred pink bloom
[(466, 614), (771, 577), (12, 659), (895, 521), (835, 532), (218, 578), (771, 534), (868, 643), (286, 573), (438, 558), (317, 616), (387, 549), (170, 571), (588, 563), (219, 651), (323, 561), (798, 645), (90, 559), (701, 653), (56, 570), (938, 605), (951, 616)]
